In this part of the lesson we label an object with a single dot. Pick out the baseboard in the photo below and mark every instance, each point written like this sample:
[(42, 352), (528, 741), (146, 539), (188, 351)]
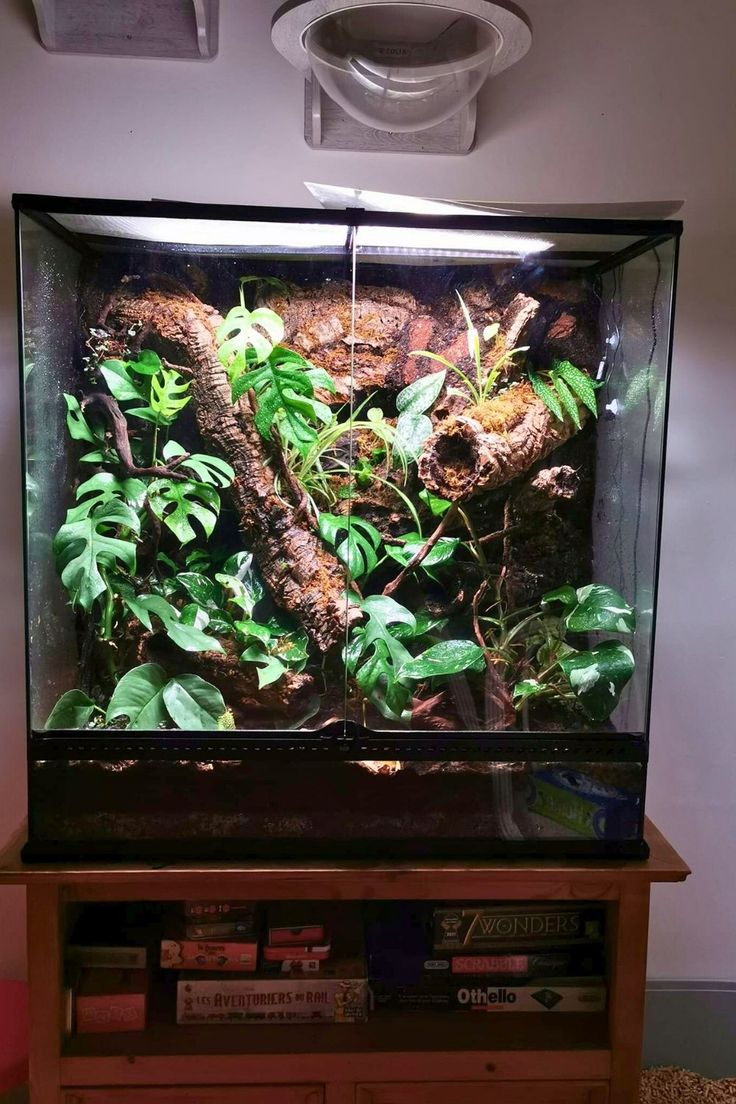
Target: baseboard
[(691, 1024)]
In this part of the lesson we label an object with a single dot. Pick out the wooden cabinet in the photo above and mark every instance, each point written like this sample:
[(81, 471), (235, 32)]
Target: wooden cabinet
[(496, 1092), (394, 1058), (254, 1094)]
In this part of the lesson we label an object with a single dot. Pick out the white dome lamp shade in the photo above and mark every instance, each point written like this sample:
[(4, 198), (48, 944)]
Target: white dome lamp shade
[(388, 75)]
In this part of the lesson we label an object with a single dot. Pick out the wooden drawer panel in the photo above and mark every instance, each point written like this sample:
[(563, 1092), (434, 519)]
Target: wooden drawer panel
[(479, 1092), (253, 1094)]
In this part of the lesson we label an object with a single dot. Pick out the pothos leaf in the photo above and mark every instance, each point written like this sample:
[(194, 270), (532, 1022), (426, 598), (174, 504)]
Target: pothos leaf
[(598, 676), (449, 657), (82, 547), (442, 553), (593, 608), (178, 503), (527, 688), (437, 506)]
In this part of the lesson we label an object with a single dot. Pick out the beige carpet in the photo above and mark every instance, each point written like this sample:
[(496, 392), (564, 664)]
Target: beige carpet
[(669, 1085)]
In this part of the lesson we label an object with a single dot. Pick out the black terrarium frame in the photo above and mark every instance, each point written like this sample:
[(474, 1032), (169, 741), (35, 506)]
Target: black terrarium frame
[(347, 739)]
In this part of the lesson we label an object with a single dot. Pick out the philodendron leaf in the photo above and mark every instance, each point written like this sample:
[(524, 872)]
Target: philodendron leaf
[(449, 657), (193, 704), (593, 608), (106, 487), (139, 697), (359, 547), (78, 426), (269, 668), (119, 377), (412, 430), (598, 676), (208, 469), (420, 395), (72, 710), (81, 548), (177, 504)]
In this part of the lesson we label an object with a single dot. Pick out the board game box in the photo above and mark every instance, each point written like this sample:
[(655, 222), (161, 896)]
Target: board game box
[(545, 995), (338, 995), (515, 926)]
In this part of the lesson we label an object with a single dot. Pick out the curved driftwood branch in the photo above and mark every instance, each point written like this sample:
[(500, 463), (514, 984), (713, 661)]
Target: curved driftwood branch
[(302, 575), (489, 445)]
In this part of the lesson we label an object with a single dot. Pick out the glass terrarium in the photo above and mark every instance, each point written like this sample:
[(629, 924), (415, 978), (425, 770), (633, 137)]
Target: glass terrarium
[(342, 528)]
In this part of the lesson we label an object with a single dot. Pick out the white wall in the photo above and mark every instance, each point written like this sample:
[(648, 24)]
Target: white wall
[(631, 100)]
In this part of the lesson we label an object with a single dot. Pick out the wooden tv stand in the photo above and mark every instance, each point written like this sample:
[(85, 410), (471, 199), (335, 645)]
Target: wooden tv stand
[(395, 1058)]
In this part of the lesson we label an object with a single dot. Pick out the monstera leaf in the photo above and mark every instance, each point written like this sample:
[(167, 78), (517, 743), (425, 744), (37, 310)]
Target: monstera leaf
[(84, 546), (208, 469), (375, 656), (358, 548), (243, 332), (285, 398), (106, 487), (177, 504), (166, 400)]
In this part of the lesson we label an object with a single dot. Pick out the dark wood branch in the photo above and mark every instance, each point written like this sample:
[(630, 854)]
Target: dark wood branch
[(423, 552), (119, 430), (497, 692)]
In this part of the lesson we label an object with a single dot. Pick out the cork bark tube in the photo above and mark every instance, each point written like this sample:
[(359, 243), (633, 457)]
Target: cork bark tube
[(489, 445)]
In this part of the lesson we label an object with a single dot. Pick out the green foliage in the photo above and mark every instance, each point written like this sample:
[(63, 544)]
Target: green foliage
[(437, 506), (284, 386), (592, 608), (540, 662), (187, 633), (208, 469), (565, 388), (177, 504), (247, 336), (167, 399), (486, 374), (358, 550), (73, 710), (411, 543), (78, 426), (106, 487), (413, 427), (375, 656), (449, 657), (149, 699), (598, 676), (84, 548)]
